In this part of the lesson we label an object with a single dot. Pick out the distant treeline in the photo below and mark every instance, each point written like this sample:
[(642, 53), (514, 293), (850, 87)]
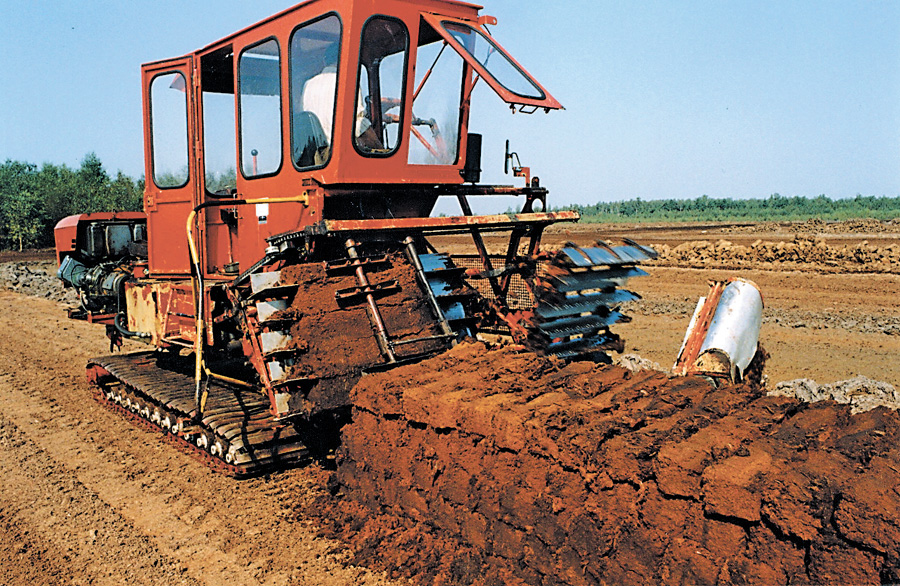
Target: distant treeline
[(773, 208), (33, 199)]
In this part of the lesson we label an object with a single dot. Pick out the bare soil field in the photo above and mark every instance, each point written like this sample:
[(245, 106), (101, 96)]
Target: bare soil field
[(87, 498), (827, 321)]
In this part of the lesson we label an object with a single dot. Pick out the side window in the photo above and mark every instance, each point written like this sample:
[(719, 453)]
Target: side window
[(219, 157), (259, 79), (434, 132), (382, 67), (315, 50), (168, 123)]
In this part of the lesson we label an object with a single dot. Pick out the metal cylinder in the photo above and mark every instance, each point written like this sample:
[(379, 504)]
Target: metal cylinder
[(733, 334)]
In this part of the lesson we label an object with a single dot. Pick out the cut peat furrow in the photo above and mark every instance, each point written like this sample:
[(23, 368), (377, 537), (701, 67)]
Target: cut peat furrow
[(522, 473)]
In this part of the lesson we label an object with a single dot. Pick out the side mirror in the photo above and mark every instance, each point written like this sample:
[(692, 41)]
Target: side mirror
[(518, 169), (507, 159)]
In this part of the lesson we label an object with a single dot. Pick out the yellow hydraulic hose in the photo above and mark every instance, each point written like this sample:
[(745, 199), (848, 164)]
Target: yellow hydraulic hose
[(197, 288), (227, 379)]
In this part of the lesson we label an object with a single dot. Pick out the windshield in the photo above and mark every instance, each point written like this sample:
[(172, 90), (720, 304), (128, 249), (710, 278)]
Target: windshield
[(493, 64), (434, 133), (494, 60)]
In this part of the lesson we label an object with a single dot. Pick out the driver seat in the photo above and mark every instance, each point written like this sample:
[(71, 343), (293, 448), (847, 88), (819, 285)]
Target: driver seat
[(310, 145)]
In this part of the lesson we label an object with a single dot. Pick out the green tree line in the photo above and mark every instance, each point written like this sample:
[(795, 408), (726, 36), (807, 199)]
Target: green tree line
[(33, 199), (771, 209)]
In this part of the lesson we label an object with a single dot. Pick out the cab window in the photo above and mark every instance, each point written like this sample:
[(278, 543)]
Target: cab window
[(487, 53), (434, 132), (314, 54), (168, 123), (219, 156), (259, 81), (381, 77)]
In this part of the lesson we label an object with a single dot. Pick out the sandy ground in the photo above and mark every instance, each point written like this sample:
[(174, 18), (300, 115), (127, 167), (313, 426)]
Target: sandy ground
[(802, 333), (87, 498)]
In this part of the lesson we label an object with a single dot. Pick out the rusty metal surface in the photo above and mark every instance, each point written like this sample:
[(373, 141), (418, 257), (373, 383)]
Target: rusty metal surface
[(495, 222)]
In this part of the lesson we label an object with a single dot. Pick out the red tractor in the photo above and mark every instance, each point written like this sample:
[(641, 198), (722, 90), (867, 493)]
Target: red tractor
[(288, 244)]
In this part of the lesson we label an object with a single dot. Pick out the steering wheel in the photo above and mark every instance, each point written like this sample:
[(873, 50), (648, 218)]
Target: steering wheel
[(439, 149)]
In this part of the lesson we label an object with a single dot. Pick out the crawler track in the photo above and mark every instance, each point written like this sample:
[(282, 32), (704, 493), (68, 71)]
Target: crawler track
[(237, 435)]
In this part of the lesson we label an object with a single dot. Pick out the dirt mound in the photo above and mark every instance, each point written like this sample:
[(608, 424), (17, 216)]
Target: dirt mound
[(754, 228), (860, 226), (36, 279), (541, 473), (819, 226), (803, 251)]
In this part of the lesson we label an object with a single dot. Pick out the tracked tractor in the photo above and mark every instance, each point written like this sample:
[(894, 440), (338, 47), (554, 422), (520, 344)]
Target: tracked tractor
[(288, 244)]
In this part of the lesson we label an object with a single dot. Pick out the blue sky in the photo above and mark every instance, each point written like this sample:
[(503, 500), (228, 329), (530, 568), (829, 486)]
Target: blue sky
[(663, 99)]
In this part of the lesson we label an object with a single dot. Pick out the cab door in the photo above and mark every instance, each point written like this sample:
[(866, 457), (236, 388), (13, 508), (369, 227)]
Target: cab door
[(171, 170)]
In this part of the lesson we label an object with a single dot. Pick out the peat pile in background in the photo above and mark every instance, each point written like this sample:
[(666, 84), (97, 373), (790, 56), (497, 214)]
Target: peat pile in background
[(499, 467), (804, 251), (37, 279), (860, 392), (858, 226)]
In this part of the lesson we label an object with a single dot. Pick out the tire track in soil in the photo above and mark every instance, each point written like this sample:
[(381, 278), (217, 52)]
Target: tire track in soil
[(35, 566), (110, 503), (78, 538)]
